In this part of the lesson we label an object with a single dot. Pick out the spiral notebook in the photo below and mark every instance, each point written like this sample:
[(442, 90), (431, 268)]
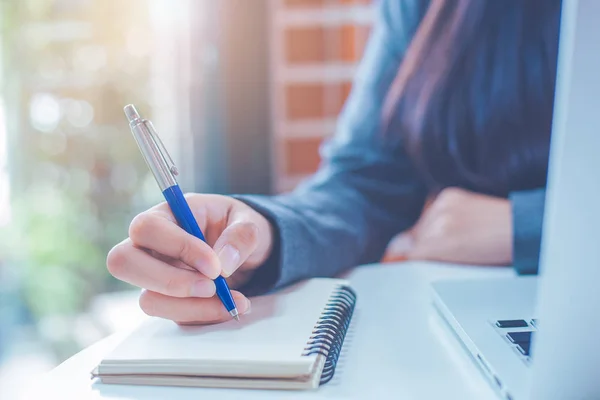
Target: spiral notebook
[(291, 340)]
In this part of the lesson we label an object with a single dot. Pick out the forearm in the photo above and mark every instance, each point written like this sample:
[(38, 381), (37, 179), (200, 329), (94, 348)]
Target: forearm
[(325, 233), (366, 189)]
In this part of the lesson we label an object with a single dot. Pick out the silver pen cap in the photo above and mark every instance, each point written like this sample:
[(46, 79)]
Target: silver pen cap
[(154, 152)]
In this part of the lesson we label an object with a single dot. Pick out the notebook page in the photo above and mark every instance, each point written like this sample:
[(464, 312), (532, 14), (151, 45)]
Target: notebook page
[(268, 340)]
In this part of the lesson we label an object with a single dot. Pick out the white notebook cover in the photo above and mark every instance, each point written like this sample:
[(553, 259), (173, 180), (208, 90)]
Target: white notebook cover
[(263, 350)]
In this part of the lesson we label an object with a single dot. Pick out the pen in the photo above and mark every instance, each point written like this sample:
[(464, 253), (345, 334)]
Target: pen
[(164, 170)]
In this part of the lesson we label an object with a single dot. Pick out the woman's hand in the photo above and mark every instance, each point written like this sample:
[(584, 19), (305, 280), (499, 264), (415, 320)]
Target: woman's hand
[(464, 227), (176, 269)]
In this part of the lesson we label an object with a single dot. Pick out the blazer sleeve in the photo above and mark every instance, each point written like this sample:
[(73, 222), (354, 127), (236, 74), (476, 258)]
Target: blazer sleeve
[(366, 189), (528, 218)]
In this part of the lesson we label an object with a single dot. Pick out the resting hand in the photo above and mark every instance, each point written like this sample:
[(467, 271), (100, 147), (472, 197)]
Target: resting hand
[(464, 227)]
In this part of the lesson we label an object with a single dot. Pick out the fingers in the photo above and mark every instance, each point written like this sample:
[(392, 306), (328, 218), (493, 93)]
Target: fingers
[(135, 266), (427, 236), (237, 242), (432, 238), (156, 230), (421, 252), (437, 219), (190, 310)]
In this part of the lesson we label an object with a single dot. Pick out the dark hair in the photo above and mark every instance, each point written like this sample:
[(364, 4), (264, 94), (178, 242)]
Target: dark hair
[(473, 97)]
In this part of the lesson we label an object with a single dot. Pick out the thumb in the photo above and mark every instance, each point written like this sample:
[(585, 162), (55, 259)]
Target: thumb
[(236, 243)]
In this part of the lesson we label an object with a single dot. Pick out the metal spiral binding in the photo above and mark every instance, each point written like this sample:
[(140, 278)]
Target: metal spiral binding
[(330, 330)]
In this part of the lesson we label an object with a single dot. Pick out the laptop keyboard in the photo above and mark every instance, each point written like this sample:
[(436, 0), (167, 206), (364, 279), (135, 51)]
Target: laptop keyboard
[(519, 333), (512, 323)]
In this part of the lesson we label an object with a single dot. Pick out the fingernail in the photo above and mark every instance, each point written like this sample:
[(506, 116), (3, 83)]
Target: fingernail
[(229, 257), (203, 288), (248, 307)]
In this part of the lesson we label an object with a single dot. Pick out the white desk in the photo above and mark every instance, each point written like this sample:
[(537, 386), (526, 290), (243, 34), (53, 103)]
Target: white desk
[(422, 358)]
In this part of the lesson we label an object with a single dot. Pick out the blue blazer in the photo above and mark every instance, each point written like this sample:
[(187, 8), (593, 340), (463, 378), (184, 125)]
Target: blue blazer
[(366, 190)]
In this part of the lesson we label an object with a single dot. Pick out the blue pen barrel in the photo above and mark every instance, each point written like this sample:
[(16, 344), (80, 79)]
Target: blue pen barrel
[(185, 219), (181, 211), (224, 293)]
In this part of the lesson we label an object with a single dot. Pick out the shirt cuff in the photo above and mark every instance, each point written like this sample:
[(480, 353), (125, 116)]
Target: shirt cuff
[(527, 218), (269, 275)]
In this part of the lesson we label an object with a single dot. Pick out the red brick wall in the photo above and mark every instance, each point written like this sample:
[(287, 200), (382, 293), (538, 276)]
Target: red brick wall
[(342, 43), (320, 3), (316, 100), (315, 47)]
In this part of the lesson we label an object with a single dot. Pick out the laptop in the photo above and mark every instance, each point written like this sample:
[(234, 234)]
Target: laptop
[(539, 337)]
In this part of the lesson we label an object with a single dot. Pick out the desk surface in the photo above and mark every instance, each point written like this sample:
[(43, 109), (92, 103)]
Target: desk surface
[(410, 353)]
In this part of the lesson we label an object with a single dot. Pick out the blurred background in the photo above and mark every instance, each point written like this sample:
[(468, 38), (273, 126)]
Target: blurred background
[(242, 93)]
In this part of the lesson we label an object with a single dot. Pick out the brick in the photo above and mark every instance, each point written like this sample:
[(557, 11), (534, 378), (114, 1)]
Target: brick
[(360, 41), (321, 44), (314, 101), (321, 3), (304, 101), (305, 45), (302, 155), (348, 43), (346, 88), (305, 3), (353, 41)]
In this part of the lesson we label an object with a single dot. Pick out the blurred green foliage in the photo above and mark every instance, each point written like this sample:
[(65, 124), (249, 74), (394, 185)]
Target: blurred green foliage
[(77, 177)]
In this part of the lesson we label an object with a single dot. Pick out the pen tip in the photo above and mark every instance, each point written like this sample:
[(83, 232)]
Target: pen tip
[(234, 314)]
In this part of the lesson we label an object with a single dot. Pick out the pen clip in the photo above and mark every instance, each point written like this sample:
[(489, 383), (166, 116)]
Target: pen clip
[(162, 149)]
